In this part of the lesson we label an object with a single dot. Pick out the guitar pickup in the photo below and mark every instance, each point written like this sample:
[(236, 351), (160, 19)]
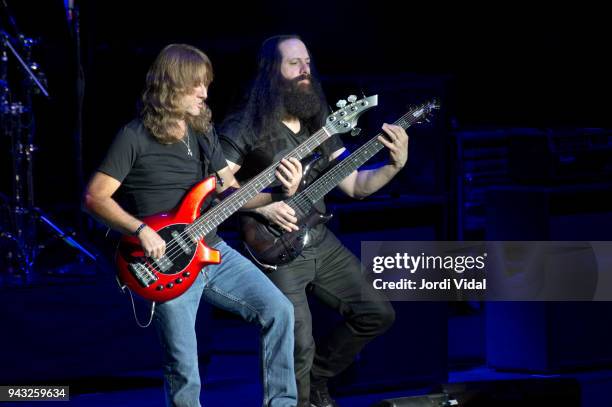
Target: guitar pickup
[(163, 264), (142, 274), (185, 246)]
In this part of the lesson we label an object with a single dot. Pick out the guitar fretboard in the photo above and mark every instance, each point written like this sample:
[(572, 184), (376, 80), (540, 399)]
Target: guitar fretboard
[(303, 201), (215, 216)]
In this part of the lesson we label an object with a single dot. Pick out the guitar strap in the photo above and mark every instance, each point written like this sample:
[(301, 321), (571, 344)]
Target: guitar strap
[(204, 151), (205, 155)]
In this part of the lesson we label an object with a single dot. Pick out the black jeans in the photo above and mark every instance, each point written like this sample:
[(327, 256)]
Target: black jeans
[(335, 275)]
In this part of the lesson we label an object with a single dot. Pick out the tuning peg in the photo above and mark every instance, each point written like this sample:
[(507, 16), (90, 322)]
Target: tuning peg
[(341, 103), (355, 131), (352, 98)]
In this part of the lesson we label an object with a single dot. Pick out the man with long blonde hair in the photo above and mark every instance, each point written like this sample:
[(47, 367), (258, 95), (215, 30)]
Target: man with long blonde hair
[(152, 163)]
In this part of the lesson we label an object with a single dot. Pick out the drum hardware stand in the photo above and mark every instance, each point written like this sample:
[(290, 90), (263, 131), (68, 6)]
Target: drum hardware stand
[(17, 123)]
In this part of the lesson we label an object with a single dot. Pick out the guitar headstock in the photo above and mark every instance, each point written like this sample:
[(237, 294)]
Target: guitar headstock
[(423, 111), (344, 119)]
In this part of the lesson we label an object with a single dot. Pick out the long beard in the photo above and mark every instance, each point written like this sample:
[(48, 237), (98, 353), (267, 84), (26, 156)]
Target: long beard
[(301, 100)]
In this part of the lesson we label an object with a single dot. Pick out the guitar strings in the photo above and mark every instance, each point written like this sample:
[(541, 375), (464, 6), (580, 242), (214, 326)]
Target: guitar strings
[(302, 199), (176, 249), (173, 248)]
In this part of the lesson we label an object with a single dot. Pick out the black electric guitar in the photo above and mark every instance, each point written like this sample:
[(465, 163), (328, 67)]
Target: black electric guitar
[(269, 245)]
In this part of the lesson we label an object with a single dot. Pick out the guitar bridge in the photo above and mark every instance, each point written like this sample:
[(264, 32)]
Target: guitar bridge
[(143, 274)]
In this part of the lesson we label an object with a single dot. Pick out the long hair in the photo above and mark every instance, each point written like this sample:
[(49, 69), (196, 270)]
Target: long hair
[(263, 109), (177, 70)]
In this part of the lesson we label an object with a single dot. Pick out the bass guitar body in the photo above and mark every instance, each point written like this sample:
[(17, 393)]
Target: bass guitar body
[(270, 246), (171, 275)]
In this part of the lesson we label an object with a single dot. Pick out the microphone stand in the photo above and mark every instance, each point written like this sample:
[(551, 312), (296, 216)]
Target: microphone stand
[(74, 27)]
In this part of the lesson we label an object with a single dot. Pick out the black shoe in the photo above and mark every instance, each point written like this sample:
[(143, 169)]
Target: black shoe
[(319, 397)]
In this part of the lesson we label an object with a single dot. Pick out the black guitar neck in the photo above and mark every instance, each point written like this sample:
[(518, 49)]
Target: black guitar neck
[(214, 217), (303, 201)]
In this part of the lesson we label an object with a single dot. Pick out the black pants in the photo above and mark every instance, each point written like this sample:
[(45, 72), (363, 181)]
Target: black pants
[(335, 275)]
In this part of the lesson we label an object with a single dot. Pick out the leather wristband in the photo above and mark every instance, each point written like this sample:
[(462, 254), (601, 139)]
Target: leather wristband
[(137, 231)]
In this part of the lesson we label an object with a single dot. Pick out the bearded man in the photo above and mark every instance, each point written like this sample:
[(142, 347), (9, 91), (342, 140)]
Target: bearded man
[(284, 107)]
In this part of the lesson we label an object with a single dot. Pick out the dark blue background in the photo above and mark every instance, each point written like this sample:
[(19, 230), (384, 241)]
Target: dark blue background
[(521, 149)]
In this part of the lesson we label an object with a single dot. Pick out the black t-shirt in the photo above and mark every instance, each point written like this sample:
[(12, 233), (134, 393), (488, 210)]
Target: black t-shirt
[(254, 154), (155, 177)]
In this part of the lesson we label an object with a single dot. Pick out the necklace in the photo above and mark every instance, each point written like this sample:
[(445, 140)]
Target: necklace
[(189, 153)]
